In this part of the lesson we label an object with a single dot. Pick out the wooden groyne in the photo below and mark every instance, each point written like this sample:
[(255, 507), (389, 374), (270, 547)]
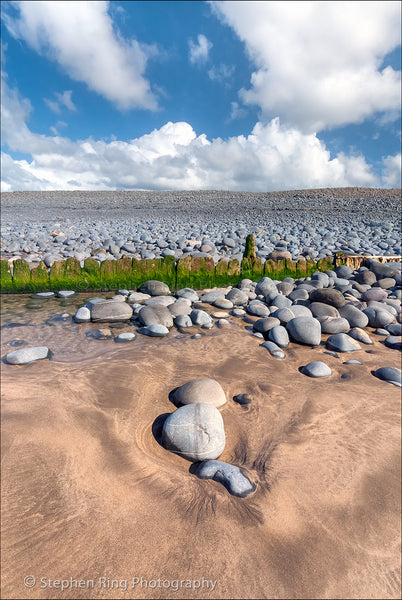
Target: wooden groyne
[(190, 271)]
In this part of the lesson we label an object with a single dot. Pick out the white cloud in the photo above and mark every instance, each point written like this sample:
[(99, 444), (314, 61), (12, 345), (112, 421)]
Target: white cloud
[(221, 72), (318, 64), (63, 100), (198, 53), (392, 171), (80, 36), (236, 111), (272, 157)]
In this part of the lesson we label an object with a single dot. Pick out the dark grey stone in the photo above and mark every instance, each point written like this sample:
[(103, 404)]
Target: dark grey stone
[(274, 350), (154, 330), (389, 374), (111, 310), (232, 477), (155, 288), (341, 342), (279, 336), (317, 369), (328, 296), (378, 317), (354, 316), (151, 315), (305, 330)]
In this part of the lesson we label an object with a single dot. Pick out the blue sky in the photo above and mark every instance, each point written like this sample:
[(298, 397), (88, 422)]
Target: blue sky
[(255, 96)]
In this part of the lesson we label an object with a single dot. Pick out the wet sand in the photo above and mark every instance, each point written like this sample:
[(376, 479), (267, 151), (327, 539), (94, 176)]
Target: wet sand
[(89, 493)]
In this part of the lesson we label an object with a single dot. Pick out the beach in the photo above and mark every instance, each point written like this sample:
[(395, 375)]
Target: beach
[(94, 506)]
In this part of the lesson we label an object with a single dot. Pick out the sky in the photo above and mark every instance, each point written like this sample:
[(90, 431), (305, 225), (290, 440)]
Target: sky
[(164, 95)]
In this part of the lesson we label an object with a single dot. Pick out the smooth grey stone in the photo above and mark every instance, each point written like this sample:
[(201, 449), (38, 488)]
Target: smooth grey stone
[(127, 336), (151, 315), (299, 310), (222, 323), (317, 369), (50, 259), (224, 304), (258, 309), (274, 350), (354, 316), (230, 476), (138, 298), (385, 305), (155, 288), (24, 356), (394, 342), (264, 325), (378, 317), (237, 297), (319, 309), (284, 315), (159, 301), (380, 331), (343, 271), (279, 336), (203, 390), (111, 310), (83, 315), (341, 342), (394, 329), (264, 286), (238, 312), (213, 296), (65, 293), (200, 317), (124, 292), (188, 293), (195, 431), (389, 374), (328, 296), (129, 248), (154, 330), (285, 287), (376, 293), (386, 283), (360, 335), (366, 277), (299, 294), (179, 308), (43, 295), (282, 301), (305, 330), (333, 324), (321, 277), (382, 270), (352, 361), (258, 335), (183, 321), (196, 336)]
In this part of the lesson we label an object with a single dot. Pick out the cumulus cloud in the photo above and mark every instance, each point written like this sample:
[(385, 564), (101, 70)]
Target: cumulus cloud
[(392, 171), (272, 157), (81, 37), (198, 51), (318, 64)]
